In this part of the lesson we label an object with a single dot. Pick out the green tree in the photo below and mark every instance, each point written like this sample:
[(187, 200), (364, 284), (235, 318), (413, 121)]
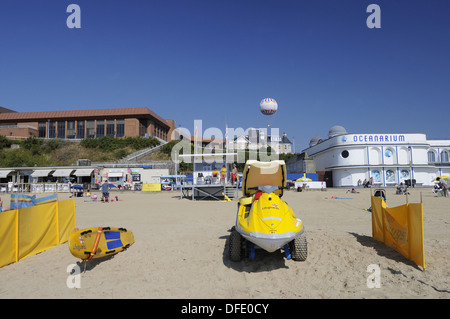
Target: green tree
[(32, 144), (4, 142), (20, 158), (107, 143)]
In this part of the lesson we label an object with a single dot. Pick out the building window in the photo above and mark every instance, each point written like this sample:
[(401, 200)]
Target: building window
[(100, 128), (51, 129), (120, 128), (376, 176), (431, 157), (71, 129), (344, 154), (390, 176), (110, 128), (42, 129), (80, 129), (404, 174), (90, 129), (61, 129), (142, 127), (444, 157)]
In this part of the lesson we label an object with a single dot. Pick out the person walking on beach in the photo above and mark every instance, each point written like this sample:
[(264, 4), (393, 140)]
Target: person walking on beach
[(1, 205), (105, 190)]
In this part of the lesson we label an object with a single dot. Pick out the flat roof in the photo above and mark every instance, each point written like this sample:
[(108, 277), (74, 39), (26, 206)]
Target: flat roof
[(113, 112)]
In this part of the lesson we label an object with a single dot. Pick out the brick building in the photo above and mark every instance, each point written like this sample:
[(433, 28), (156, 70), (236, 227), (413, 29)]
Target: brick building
[(80, 124)]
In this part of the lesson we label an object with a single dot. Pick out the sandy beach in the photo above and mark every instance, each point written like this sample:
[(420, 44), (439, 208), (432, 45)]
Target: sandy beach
[(181, 252)]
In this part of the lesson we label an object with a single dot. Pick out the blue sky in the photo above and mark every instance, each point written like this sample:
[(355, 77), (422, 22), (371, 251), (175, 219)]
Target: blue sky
[(215, 60)]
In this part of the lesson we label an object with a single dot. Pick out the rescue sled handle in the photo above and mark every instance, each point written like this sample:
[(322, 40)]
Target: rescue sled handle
[(267, 188)]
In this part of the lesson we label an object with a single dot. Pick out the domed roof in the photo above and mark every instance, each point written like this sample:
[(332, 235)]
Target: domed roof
[(315, 140), (336, 130)]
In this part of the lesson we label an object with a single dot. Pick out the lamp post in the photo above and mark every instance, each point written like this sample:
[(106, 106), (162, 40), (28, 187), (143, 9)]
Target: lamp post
[(410, 166), (293, 138)]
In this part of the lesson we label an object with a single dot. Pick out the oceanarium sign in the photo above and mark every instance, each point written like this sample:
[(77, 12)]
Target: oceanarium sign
[(375, 138)]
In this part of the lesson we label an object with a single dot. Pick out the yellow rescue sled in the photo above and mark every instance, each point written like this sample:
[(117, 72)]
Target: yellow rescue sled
[(98, 242)]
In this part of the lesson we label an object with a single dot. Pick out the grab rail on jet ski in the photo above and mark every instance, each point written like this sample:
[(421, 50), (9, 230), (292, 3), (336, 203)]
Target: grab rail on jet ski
[(267, 188)]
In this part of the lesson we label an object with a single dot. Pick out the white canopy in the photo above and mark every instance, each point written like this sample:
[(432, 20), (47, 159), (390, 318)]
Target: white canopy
[(115, 174), (62, 172), (5, 173), (83, 172), (41, 172)]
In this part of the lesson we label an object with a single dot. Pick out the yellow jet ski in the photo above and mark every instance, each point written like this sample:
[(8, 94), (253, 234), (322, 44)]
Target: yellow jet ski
[(263, 219)]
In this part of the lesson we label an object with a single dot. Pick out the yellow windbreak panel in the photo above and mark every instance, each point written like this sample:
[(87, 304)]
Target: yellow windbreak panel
[(66, 219), (8, 237), (37, 229), (400, 228), (396, 229), (377, 218), (417, 251)]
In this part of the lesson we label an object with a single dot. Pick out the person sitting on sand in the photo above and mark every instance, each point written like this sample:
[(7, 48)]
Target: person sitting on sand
[(404, 189)]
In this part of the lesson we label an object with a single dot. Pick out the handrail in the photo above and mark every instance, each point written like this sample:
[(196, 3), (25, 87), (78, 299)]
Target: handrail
[(46, 187)]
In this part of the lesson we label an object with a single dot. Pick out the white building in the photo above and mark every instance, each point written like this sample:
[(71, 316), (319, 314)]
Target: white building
[(388, 159), (133, 175), (258, 138)]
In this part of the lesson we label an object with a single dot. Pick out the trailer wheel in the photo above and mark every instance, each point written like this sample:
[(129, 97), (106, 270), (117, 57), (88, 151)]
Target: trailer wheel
[(299, 248), (235, 246)]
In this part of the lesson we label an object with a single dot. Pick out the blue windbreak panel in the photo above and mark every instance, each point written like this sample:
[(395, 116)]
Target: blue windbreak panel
[(112, 235), (114, 244)]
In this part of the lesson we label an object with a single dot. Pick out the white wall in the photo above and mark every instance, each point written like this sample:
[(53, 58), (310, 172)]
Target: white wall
[(384, 156), (148, 176), (348, 177), (152, 176)]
